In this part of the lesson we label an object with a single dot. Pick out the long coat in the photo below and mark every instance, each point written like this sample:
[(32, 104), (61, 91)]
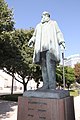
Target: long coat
[(47, 36)]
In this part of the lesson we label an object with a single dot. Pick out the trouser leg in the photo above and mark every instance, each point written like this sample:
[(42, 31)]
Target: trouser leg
[(51, 71), (44, 72)]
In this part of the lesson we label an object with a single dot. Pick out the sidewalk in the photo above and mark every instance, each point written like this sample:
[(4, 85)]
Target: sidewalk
[(77, 107), (8, 109)]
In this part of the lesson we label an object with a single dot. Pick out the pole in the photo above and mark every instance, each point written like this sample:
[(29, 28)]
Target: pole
[(63, 70)]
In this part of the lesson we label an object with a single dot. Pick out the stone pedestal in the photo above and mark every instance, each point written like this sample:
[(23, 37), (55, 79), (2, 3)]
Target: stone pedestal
[(36, 108)]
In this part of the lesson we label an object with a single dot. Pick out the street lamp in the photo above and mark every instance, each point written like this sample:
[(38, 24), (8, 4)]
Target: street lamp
[(62, 51), (63, 70)]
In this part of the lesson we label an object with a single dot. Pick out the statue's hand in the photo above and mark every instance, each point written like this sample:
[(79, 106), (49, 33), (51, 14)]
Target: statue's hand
[(30, 43), (62, 46)]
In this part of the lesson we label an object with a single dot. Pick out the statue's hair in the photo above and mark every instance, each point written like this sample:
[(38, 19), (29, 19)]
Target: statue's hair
[(46, 13)]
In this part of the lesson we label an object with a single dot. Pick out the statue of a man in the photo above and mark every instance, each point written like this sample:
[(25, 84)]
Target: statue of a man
[(47, 38)]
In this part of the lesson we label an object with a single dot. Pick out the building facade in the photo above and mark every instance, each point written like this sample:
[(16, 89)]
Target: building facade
[(72, 60)]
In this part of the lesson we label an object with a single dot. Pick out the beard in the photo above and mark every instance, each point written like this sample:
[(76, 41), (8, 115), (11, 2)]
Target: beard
[(46, 19)]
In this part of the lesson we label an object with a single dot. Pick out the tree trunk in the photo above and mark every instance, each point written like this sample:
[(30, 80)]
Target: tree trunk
[(25, 85), (12, 84)]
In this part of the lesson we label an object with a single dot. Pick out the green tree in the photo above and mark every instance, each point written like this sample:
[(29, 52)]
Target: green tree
[(77, 72), (18, 56), (69, 76), (25, 63), (9, 54), (6, 17), (6, 25), (59, 75)]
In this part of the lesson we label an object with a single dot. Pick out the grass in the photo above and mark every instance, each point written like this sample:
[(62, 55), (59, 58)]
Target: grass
[(74, 93), (9, 97)]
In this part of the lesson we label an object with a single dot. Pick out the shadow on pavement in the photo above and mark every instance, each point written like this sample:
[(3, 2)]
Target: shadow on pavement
[(7, 108)]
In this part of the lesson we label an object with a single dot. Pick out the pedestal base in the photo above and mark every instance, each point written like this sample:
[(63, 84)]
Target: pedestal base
[(45, 109), (48, 93)]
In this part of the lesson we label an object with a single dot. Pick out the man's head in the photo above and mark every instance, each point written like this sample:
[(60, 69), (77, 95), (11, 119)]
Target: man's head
[(46, 13), (45, 17)]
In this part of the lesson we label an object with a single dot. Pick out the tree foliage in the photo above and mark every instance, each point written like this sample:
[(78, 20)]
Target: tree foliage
[(59, 75), (77, 72), (68, 73), (6, 25), (16, 56), (6, 17), (69, 76)]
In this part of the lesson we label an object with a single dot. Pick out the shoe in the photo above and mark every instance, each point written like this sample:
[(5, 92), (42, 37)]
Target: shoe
[(43, 88)]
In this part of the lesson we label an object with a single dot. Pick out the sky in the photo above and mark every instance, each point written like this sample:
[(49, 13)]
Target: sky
[(27, 13)]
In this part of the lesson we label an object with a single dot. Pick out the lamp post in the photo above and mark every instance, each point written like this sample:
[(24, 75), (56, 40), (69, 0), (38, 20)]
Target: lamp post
[(62, 51), (63, 70)]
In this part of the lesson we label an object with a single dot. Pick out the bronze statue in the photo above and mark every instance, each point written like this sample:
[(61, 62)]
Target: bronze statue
[(47, 38)]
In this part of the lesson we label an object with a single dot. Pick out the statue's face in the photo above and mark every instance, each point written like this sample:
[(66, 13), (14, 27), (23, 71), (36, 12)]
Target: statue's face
[(45, 18)]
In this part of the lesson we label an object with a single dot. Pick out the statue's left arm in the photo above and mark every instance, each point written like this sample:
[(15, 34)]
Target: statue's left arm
[(60, 37)]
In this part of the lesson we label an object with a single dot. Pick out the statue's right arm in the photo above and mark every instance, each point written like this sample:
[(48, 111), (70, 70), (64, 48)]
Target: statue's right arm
[(32, 40)]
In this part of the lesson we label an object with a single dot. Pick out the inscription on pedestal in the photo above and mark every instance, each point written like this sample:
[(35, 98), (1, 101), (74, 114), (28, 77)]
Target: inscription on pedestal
[(37, 110), (45, 109)]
